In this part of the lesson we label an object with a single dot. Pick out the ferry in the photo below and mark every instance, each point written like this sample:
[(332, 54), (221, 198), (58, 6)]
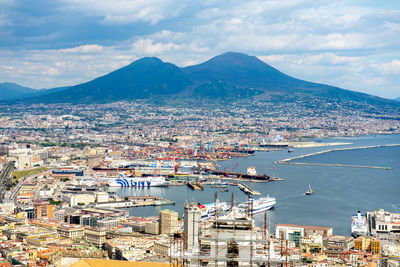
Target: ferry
[(259, 205), (359, 226), (149, 181), (208, 210)]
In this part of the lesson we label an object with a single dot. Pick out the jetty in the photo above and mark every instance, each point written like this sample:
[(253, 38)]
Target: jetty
[(335, 165), (247, 189), (290, 160)]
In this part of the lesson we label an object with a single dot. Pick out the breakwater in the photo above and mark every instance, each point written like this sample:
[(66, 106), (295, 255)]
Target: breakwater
[(290, 160)]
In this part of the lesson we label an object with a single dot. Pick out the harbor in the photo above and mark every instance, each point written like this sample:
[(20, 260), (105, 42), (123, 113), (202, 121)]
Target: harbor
[(331, 185)]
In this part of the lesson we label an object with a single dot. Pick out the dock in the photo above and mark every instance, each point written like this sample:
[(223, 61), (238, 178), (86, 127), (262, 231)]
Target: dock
[(135, 203), (195, 186), (247, 189)]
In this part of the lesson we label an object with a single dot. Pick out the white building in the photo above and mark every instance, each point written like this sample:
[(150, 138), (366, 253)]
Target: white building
[(383, 222)]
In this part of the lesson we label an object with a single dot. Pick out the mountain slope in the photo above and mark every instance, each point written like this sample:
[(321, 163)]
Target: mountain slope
[(228, 77), (13, 90), (246, 71), (143, 78)]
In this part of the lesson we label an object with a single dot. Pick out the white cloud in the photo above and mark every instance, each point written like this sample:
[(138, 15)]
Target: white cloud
[(127, 11), (148, 47), (389, 68), (343, 43), (93, 48)]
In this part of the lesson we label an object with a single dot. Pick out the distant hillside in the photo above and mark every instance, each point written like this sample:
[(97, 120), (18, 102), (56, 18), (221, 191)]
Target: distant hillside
[(227, 77), (13, 90)]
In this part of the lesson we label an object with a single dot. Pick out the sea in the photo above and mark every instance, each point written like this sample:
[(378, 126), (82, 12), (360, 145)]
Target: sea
[(339, 191)]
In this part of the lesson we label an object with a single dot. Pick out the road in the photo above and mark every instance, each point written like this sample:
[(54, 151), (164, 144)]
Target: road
[(4, 176), (12, 194)]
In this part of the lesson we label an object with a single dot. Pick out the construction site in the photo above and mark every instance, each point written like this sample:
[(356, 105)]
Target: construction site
[(230, 239)]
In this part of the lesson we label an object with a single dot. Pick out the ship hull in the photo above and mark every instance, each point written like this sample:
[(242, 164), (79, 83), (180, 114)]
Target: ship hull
[(260, 205), (138, 182)]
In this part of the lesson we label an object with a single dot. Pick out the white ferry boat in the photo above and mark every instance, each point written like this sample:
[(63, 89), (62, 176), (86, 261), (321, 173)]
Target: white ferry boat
[(259, 205), (359, 226), (208, 210), (138, 181)]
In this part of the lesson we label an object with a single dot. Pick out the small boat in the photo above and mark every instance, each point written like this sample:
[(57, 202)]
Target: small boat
[(290, 150), (310, 191), (223, 190)]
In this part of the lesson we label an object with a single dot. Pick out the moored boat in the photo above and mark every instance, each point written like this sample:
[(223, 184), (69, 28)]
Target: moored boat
[(359, 226), (149, 181), (259, 205)]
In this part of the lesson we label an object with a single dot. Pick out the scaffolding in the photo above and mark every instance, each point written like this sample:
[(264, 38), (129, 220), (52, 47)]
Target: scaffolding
[(232, 240)]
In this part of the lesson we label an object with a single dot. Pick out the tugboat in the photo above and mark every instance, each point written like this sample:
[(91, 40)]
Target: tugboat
[(310, 191)]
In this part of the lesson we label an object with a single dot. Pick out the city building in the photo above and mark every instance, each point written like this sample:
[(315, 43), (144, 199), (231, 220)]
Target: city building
[(191, 224), (71, 231), (295, 233), (337, 242), (43, 209), (168, 222), (368, 244), (95, 237), (383, 222)]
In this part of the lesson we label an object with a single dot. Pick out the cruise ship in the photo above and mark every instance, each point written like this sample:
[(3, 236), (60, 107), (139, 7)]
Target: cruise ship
[(259, 205), (138, 181), (208, 210), (359, 226)]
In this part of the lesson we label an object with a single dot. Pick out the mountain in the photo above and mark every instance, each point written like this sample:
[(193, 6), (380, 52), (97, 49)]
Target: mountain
[(143, 78), (13, 90), (227, 77)]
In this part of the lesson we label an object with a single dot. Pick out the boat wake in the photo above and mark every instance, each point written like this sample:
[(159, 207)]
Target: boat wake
[(396, 206)]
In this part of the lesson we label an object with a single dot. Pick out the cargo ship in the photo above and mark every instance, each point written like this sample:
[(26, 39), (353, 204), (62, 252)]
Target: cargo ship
[(359, 226), (251, 174), (259, 205)]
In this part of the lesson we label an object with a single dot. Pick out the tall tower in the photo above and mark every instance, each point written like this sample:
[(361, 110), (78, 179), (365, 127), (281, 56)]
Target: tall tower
[(191, 224), (168, 222)]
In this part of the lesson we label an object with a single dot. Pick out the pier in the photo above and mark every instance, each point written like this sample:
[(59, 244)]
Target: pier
[(247, 189), (289, 160)]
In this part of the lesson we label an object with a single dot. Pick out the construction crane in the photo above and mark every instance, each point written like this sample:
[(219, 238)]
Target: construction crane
[(234, 167)]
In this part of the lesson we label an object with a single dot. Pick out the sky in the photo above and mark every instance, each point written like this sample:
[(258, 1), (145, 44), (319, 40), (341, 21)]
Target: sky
[(350, 44)]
